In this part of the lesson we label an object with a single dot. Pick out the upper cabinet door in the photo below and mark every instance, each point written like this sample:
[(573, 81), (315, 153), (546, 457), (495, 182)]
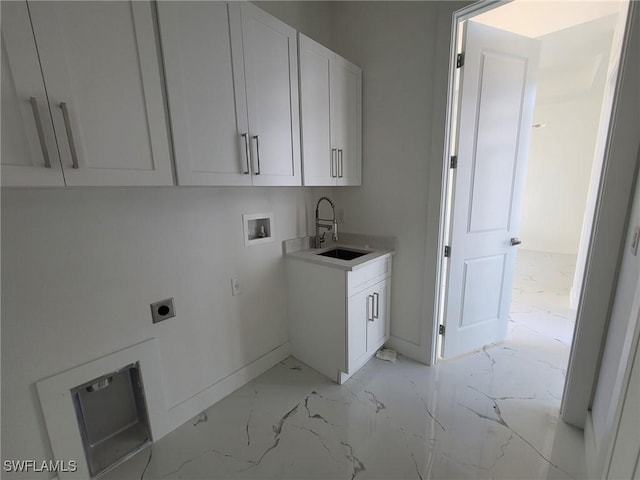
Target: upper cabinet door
[(346, 120), (319, 160), (331, 116), (100, 65), (271, 69), (29, 152), (204, 67)]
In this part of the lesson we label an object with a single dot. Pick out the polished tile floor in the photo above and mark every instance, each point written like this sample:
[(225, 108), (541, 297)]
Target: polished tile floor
[(490, 414)]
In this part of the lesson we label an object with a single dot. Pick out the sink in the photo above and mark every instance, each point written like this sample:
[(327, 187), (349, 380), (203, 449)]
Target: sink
[(343, 253)]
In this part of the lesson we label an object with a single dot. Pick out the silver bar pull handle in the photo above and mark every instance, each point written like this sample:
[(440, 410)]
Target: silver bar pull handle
[(370, 316), (246, 152), (515, 241), (43, 142), (257, 139), (376, 313), (67, 126), (340, 171), (334, 162)]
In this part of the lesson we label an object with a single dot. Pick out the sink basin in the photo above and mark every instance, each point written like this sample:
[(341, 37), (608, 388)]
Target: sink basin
[(343, 253)]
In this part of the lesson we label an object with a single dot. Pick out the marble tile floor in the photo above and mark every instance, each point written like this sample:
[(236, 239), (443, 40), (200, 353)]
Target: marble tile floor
[(491, 414)]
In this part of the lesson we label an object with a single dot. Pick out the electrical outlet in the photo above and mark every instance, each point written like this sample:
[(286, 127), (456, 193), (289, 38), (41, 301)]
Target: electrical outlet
[(340, 215), (235, 286), (163, 310)]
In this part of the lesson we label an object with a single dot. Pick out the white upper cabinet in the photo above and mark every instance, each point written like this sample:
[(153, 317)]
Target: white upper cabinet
[(346, 120), (271, 71), (204, 68), (29, 152), (232, 81), (100, 66), (331, 116)]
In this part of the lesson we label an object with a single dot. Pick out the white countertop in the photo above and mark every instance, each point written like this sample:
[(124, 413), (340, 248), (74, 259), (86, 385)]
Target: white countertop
[(312, 254)]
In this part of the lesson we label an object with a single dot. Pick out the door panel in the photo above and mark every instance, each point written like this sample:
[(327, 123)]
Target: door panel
[(204, 65), (271, 67), (315, 61), (346, 118), (359, 310), (497, 97), (495, 155), (377, 325), (23, 150), (100, 59)]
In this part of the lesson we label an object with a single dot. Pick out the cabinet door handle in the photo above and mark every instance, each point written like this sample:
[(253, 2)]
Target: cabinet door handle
[(370, 315), (67, 126), (43, 142), (340, 172), (257, 139), (334, 162), (246, 152), (376, 313)]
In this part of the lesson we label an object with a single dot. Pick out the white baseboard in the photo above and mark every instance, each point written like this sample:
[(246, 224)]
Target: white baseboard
[(189, 408), (408, 349)]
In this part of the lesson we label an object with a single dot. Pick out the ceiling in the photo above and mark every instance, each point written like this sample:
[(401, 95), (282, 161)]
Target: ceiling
[(535, 18)]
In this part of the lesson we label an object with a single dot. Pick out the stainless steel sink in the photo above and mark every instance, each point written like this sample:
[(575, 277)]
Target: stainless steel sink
[(343, 253)]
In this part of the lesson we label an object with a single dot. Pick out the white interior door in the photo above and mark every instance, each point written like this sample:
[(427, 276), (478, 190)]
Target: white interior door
[(497, 95)]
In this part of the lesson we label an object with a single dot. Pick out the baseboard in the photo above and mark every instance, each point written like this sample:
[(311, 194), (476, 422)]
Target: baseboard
[(408, 349), (189, 408)]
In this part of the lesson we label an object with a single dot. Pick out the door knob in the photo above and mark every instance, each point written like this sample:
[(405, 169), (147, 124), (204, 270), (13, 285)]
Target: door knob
[(515, 241)]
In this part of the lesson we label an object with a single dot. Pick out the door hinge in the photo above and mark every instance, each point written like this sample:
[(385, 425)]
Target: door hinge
[(447, 251), (460, 60), (454, 161), (441, 329)]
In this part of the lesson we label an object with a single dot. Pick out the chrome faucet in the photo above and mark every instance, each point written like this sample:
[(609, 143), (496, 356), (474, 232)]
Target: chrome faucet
[(329, 226)]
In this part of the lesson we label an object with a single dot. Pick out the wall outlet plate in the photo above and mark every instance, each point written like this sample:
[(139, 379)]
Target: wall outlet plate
[(163, 310)]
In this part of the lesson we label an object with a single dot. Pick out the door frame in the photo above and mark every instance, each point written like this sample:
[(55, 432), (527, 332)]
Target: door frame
[(608, 230)]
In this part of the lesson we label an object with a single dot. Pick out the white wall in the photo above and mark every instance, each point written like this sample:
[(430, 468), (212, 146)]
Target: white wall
[(620, 344), (608, 237), (309, 17), (81, 266), (571, 82), (395, 45)]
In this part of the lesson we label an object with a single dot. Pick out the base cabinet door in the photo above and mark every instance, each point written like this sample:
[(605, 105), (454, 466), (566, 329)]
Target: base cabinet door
[(378, 321), (29, 152), (359, 311), (100, 66), (368, 322)]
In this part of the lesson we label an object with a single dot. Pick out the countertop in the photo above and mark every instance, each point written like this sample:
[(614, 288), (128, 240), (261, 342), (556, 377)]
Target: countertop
[(298, 248)]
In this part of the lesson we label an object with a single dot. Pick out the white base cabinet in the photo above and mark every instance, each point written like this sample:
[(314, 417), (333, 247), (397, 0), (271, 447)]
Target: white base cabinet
[(338, 319)]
